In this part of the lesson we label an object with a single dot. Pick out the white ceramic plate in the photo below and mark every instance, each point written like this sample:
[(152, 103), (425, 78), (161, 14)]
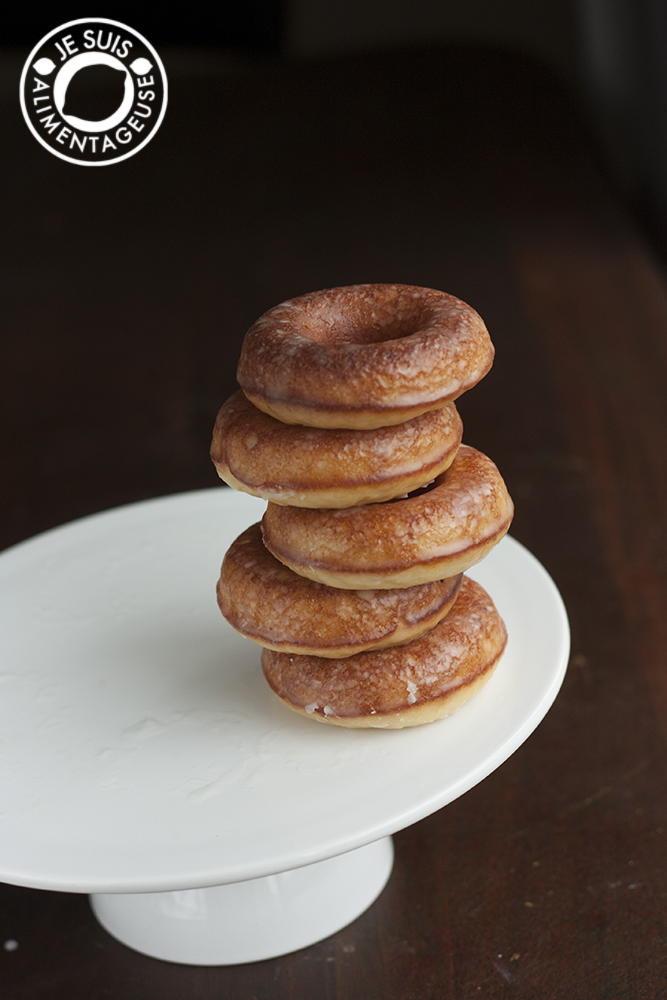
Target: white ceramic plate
[(141, 749)]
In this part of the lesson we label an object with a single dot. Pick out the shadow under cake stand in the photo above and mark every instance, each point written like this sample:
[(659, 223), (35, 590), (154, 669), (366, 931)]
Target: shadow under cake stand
[(145, 761)]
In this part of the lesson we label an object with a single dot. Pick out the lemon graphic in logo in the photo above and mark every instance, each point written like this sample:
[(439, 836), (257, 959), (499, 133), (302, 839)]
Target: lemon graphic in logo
[(78, 62)]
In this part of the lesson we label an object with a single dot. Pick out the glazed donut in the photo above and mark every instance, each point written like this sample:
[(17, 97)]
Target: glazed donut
[(435, 533), (401, 686), (315, 467), (270, 604), (363, 356)]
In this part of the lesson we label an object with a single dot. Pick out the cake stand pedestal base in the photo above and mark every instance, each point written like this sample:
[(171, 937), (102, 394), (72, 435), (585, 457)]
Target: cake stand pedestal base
[(253, 920)]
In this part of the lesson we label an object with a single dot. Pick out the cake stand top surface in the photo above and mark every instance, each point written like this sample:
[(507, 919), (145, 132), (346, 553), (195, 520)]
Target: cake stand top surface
[(141, 749)]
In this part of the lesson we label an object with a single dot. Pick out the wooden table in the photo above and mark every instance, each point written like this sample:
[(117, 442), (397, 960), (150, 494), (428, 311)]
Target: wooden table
[(127, 293)]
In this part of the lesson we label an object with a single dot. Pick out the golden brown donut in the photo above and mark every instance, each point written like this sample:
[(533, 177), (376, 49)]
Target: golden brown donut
[(363, 355), (317, 467), (270, 604), (409, 685), (436, 533)]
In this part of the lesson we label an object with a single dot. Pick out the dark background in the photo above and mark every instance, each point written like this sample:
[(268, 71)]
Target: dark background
[(610, 54), (166, 259), (256, 25)]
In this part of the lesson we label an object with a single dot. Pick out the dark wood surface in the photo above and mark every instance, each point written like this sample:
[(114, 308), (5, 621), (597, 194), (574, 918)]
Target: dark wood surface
[(127, 291)]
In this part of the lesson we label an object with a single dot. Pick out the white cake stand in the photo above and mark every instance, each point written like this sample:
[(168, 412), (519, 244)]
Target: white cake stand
[(144, 759)]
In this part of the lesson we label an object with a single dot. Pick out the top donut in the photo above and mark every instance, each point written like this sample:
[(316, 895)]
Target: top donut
[(363, 356)]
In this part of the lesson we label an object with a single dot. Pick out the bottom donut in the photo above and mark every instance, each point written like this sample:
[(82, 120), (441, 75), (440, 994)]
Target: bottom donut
[(409, 685)]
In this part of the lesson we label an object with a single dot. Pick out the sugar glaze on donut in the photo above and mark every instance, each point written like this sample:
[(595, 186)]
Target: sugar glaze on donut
[(402, 686), (317, 467), (437, 533), (270, 604), (363, 356)]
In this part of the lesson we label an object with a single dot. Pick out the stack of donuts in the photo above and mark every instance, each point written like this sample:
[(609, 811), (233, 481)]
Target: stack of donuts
[(354, 581)]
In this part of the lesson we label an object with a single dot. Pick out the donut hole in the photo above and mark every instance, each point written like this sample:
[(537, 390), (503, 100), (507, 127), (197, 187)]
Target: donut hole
[(372, 323)]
